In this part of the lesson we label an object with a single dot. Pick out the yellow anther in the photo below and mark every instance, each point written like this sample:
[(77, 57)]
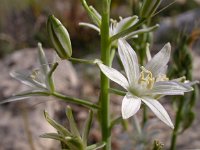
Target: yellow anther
[(151, 83), (147, 71), (148, 80), (162, 77), (34, 74)]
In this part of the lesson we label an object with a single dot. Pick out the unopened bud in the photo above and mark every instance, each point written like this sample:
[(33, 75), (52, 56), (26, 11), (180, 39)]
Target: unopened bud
[(59, 37), (149, 7)]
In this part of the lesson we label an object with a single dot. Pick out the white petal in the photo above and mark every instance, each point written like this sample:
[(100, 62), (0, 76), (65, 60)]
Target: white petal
[(130, 105), (158, 110), (170, 88), (160, 60), (126, 23), (114, 75), (192, 83), (25, 78), (163, 70), (89, 25), (129, 60)]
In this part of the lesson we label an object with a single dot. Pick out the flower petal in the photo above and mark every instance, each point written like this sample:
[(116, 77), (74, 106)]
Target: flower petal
[(25, 78), (114, 75), (129, 60), (160, 60), (126, 23), (170, 88), (130, 105), (89, 25), (158, 110)]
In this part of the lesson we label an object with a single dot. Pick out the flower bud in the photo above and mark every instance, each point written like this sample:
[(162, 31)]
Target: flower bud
[(59, 37), (149, 7)]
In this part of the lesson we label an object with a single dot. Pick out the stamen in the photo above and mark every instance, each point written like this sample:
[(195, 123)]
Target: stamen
[(162, 77), (34, 74), (147, 71), (148, 80)]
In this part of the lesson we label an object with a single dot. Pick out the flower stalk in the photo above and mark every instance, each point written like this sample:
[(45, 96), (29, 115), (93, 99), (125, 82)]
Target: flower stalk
[(105, 58)]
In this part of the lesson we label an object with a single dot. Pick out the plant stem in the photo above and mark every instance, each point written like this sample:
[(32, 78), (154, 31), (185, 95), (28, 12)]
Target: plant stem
[(177, 124), (105, 58), (77, 60), (116, 91), (75, 100)]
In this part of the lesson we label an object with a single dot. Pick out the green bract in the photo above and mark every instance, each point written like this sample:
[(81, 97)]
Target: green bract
[(71, 139), (149, 7), (59, 37)]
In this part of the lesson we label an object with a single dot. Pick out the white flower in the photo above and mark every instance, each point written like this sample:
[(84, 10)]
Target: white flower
[(115, 26), (39, 80), (146, 83)]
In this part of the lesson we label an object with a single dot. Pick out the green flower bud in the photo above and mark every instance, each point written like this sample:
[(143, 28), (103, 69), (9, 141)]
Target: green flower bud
[(59, 37), (149, 7)]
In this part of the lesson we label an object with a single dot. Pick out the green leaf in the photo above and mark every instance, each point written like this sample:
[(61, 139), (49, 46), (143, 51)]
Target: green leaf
[(25, 95), (57, 126), (54, 136), (43, 60), (92, 13), (87, 127), (96, 146), (72, 123), (71, 142), (50, 80)]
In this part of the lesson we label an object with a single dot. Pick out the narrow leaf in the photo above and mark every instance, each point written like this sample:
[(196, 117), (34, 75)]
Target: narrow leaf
[(96, 146), (43, 60), (24, 95), (56, 125), (87, 127), (50, 80), (72, 123)]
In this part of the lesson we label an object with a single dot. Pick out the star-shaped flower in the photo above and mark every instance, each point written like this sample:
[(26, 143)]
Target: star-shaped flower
[(145, 83)]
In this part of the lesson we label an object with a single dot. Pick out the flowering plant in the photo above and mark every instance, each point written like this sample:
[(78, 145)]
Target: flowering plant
[(143, 84)]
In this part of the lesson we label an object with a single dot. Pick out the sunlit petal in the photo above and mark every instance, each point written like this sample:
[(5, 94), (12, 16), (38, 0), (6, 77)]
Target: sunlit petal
[(129, 60), (126, 23), (130, 105), (160, 60), (158, 110), (170, 88), (114, 75)]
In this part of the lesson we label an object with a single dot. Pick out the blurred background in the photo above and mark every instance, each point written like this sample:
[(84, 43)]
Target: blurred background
[(23, 25)]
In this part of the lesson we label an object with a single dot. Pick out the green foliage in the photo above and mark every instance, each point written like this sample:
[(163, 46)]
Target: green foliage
[(71, 139)]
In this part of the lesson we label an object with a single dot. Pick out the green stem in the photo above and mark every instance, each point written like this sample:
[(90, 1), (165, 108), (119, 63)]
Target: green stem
[(112, 55), (116, 91), (75, 100), (77, 60), (177, 124), (105, 58)]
